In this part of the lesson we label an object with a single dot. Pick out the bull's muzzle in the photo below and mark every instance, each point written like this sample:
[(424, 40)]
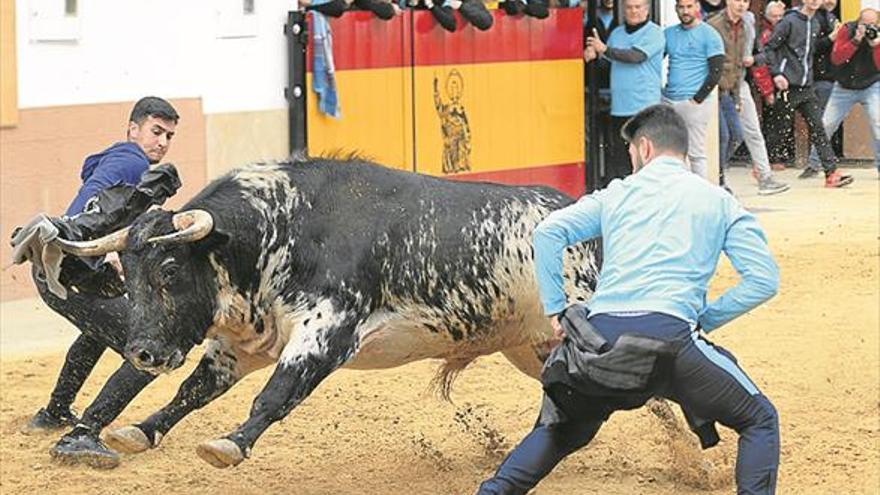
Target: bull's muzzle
[(147, 357)]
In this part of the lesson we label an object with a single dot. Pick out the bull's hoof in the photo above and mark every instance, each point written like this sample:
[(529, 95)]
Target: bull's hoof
[(220, 453), (130, 440), (83, 448), (44, 422)]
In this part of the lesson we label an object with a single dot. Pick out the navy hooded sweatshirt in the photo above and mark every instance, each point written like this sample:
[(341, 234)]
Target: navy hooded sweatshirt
[(122, 163)]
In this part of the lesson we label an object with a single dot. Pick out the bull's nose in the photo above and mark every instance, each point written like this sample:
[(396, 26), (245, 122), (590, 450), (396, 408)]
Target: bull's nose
[(147, 360), (144, 358)]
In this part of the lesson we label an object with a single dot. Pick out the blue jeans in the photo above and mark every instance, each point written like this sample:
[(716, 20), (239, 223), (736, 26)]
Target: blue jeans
[(706, 380), (839, 105), (730, 131)]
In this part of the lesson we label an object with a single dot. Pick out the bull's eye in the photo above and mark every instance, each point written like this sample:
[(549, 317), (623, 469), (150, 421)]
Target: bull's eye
[(169, 270)]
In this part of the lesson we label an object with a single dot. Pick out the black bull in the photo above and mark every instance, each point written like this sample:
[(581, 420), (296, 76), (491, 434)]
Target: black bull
[(321, 264)]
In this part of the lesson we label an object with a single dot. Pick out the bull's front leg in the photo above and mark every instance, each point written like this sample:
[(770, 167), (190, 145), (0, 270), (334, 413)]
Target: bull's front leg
[(219, 369), (315, 350)]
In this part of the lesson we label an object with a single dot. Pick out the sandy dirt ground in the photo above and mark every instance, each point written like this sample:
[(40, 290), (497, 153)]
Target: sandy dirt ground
[(813, 350)]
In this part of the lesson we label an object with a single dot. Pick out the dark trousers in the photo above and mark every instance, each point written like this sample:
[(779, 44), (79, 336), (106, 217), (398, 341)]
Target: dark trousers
[(730, 133), (705, 379), (777, 125), (803, 100), (823, 94), (617, 162), (103, 323)]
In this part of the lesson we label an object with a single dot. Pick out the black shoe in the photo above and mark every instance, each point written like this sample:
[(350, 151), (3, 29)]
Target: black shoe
[(808, 173), (81, 446), (45, 421)]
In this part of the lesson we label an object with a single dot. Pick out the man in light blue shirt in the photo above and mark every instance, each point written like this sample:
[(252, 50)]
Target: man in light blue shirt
[(663, 230), (696, 58), (635, 51)]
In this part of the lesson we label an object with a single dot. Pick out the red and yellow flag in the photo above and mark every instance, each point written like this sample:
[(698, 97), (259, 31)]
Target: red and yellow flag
[(504, 105)]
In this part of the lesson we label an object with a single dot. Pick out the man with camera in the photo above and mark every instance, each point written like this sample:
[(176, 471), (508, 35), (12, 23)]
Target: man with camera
[(856, 58)]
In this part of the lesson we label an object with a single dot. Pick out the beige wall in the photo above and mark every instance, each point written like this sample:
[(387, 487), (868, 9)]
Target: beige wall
[(8, 72), (41, 158), (235, 139)]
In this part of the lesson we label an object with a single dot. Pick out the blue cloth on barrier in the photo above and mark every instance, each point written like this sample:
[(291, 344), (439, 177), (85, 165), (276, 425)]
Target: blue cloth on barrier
[(323, 67)]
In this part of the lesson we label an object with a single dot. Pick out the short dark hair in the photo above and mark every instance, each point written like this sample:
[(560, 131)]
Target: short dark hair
[(152, 106), (660, 124)]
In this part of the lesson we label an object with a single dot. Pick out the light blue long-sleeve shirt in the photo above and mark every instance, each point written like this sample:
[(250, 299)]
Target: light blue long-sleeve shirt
[(663, 230)]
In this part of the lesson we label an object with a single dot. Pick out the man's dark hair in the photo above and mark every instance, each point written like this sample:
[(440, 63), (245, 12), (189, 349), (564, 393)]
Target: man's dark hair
[(153, 106), (659, 123)]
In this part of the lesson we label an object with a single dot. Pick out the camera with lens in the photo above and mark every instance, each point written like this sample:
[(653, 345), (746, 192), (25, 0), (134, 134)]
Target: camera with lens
[(870, 32)]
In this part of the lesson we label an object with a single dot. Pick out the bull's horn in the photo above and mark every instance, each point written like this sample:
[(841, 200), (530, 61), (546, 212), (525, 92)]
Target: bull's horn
[(96, 247), (190, 226)]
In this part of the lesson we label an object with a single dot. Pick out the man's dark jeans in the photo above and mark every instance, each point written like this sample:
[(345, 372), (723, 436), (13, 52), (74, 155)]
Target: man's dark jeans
[(705, 378), (804, 100)]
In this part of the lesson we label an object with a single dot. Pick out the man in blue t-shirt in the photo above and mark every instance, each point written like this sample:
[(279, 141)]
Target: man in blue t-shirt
[(101, 319), (635, 51), (696, 58)]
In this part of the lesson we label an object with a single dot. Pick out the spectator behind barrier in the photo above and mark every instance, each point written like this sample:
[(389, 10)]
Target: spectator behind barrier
[(856, 58), (534, 8), (696, 58), (787, 55), (777, 118), (473, 11), (635, 51), (333, 8), (383, 9), (738, 113), (823, 72)]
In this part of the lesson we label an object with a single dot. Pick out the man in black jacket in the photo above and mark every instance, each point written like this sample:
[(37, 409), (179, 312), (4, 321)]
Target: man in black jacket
[(788, 56), (823, 77)]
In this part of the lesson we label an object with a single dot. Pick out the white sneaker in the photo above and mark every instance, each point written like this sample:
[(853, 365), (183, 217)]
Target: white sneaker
[(769, 186)]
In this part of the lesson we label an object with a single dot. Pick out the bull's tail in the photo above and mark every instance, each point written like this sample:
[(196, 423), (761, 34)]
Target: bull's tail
[(447, 372)]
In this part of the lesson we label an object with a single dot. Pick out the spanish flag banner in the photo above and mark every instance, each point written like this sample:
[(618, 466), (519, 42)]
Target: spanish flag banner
[(504, 105)]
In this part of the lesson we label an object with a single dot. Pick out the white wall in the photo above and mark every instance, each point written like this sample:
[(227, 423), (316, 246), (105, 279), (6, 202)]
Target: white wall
[(668, 17), (125, 49)]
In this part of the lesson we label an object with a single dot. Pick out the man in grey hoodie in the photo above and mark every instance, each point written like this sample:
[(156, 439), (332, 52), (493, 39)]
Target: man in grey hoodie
[(789, 54)]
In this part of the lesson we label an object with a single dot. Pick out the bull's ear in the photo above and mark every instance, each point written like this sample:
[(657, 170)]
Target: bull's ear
[(216, 239)]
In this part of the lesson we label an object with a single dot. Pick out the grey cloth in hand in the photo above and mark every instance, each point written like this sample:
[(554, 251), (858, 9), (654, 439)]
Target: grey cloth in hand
[(33, 243)]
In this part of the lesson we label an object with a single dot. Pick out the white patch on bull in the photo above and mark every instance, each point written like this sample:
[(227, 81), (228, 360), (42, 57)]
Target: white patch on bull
[(234, 322), (288, 330), (308, 330), (261, 176)]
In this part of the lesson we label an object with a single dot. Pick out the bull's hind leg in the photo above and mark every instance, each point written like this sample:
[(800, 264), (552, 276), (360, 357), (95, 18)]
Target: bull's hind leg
[(314, 351), (527, 358), (218, 370)]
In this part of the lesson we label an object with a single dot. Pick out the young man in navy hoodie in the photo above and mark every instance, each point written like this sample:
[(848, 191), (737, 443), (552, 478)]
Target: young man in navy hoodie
[(101, 321), (151, 127)]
